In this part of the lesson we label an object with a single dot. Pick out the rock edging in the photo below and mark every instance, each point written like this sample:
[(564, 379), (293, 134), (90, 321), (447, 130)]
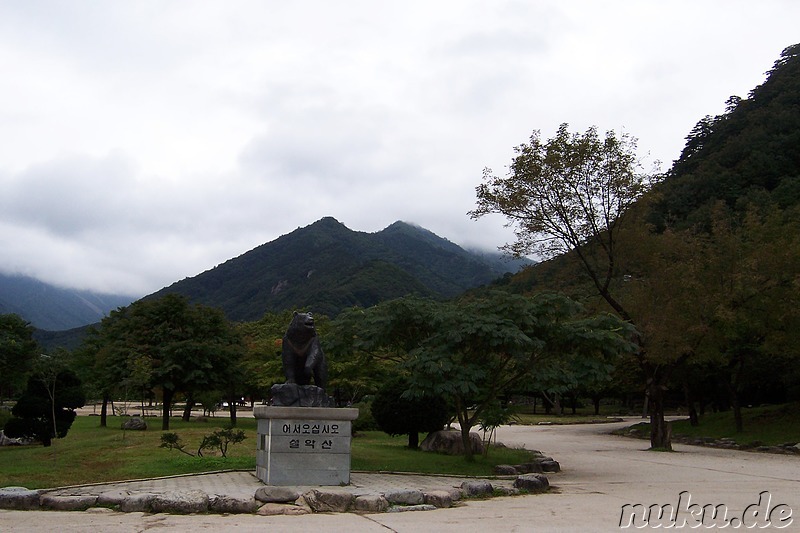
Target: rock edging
[(268, 500)]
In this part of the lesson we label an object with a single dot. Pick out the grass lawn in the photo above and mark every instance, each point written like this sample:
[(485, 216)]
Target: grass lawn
[(770, 426), (92, 454)]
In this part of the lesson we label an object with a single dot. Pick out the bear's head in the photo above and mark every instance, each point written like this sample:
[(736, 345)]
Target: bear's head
[(302, 326)]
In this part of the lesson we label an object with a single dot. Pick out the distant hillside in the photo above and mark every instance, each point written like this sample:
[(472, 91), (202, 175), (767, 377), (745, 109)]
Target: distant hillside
[(52, 308), (326, 267), (751, 151)]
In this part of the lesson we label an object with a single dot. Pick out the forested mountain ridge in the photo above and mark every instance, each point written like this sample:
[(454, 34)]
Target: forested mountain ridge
[(326, 267), (752, 149)]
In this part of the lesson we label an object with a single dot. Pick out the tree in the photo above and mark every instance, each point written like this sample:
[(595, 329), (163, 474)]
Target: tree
[(46, 409), (189, 348), (397, 414), (478, 349), (572, 195), (17, 352), (752, 276)]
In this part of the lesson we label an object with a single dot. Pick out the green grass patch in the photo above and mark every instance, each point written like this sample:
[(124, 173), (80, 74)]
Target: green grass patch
[(377, 451), (769, 426), (93, 454)]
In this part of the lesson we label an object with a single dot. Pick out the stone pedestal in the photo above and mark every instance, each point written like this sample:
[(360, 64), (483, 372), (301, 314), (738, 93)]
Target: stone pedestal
[(303, 445)]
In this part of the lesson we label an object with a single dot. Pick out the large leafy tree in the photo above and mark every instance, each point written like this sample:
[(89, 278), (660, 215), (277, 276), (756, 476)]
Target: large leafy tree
[(398, 414), (186, 348), (17, 353), (573, 195), (473, 351)]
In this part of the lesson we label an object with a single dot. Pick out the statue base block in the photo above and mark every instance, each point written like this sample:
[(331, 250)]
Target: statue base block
[(303, 445), (294, 395)]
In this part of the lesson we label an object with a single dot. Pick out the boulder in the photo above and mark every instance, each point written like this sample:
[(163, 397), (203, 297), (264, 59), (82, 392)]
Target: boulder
[(19, 498), (449, 442), (272, 494), (135, 424), (439, 498), (370, 503), (476, 488), (535, 483), (549, 465), (68, 503)]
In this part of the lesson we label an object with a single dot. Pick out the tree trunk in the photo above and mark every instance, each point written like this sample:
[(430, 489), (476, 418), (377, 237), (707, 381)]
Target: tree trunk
[(466, 442), (660, 433), (165, 408), (232, 410), (187, 411), (596, 402), (732, 384), (104, 411), (413, 440)]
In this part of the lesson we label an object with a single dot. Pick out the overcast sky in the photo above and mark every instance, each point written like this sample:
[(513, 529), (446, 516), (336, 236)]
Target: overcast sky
[(142, 142)]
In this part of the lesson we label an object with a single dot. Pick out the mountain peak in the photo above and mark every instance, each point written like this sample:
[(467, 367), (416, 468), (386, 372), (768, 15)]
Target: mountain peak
[(326, 267)]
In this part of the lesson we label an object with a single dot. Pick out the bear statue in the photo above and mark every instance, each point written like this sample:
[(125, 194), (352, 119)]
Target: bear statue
[(302, 355)]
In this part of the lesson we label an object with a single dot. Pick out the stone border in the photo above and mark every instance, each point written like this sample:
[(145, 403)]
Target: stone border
[(268, 500)]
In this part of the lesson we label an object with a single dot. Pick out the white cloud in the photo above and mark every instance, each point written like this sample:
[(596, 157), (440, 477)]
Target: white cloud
[(144, 142)]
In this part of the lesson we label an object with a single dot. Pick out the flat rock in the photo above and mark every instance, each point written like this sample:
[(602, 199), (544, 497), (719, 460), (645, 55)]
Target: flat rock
[(112, 498), (138, 502), (405, 497), (180, 502), (404, 508), (527, 468), (67, 503), (231, 504), (276, 509), (19, 498)]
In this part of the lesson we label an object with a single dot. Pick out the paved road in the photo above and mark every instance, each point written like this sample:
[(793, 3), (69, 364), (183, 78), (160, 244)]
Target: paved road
[(601, 473)]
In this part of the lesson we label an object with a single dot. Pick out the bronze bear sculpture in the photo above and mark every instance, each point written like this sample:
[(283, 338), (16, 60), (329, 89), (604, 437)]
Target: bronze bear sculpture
[(302, 355)]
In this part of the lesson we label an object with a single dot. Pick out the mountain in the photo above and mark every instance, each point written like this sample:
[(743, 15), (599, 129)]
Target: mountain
[(326, 267), (749, 153), (52, 308)]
